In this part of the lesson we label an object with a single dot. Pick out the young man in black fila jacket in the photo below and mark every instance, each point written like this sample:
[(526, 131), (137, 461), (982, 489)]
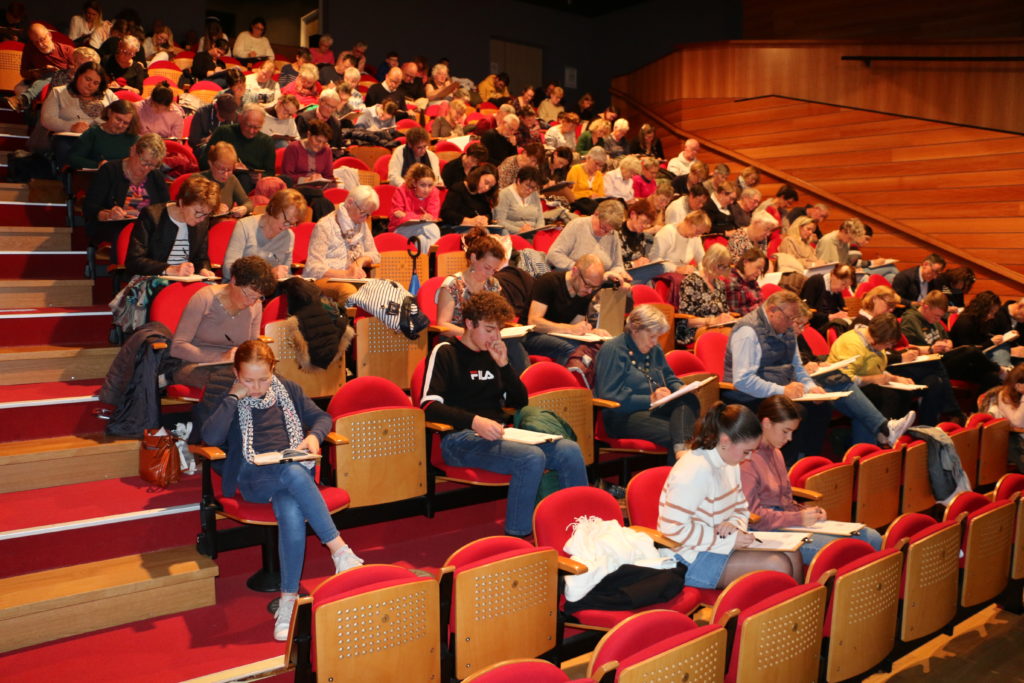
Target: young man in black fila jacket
[(467, 383)]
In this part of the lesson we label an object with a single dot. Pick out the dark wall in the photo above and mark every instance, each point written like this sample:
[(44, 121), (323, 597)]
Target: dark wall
[(181, 16), (598, 48)]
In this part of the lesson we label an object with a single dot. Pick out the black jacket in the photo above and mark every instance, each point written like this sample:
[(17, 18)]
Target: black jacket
[(153, 239), (908, 285), (110, 187), (131, 383)]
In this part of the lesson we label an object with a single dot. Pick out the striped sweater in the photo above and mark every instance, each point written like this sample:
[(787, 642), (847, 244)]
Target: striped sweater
[(701, 492)]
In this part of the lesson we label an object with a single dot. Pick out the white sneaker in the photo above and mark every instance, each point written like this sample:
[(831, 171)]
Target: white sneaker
[(345, 559), (283, 617), (898, 428)]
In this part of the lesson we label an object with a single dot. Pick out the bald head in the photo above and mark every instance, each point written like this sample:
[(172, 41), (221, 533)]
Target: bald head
[(40, 37), (690, 149), (394, 77)]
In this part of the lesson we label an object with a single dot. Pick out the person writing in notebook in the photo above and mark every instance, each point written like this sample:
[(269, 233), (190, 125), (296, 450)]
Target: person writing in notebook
[(762, 360), (467, 384)]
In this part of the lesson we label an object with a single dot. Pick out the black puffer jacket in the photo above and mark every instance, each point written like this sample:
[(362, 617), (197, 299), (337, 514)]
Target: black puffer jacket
[(322, 329)]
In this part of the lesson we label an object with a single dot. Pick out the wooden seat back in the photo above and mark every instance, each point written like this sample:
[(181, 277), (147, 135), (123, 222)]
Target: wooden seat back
[(836, 487), (987, 553), (385, 353), (931, 578), (917, 488), (575, 406), (385, 458), (315, 382), (993, 446), (877, 492)]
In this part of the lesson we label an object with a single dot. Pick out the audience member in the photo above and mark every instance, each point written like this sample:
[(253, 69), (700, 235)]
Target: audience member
[(171, 239), (592, 235), (797, 245), (122, 188), (519, 208), (342, 246), (594, 136), (470, 202), (532, 156), (551, 109), (647, 143), (124, 66), (680, 243), (378, 117), (454, 172), (41, 59), (825, 294), (289, 72), (680, 165), (718, 209), (560, 303), (742, 291), (494, 89), (268, 235), (253, 45), (254, 148), (208, 63), (501, 141), (260, 86), (743, 208), (702, 295), (322, 53), (632, 372), (754, 236), (416, 206), (834, 247), (73, 108), (632, 234), (562, 133), (387, 90), (222, 111), (702, 507), (234, 201), (452, 122), (913, 284), (159, 114), (679, 208), (618, 182), (587, 177), (89, 28), (111, 139), (468, 383), (306, 88), (414, 151)]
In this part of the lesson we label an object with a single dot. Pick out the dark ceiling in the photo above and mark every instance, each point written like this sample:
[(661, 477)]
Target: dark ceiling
[(586, 8)]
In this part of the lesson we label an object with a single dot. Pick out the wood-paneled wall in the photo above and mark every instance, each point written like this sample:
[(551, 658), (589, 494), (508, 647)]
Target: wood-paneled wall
[(975, 93), (882, 19)]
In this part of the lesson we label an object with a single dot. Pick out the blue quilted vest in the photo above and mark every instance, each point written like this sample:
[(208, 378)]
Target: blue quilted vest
[(776, 349)]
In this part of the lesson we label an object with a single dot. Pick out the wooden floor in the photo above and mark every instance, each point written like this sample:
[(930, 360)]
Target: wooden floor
[(922, 185), (984, 649)]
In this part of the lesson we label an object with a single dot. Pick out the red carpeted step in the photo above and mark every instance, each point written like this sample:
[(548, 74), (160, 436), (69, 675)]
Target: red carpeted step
[(10, 142), (94, 521), (42, 264), (84, 325), (35, 411), (24, 213)]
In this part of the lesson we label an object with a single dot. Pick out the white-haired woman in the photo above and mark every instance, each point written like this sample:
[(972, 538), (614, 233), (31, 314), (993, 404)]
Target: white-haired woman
[(633, 372), (616, 144), (341, 245)]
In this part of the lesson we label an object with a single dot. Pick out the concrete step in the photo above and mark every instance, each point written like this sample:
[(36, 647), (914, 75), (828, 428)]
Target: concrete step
[(58, 603), (60, 460), (36, 293), (50, 363), (33, 238)]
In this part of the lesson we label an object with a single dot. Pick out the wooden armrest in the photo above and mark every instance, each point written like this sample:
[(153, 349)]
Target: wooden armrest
[(753, 519), (571, 566), (508, 410), (350, 311), (158, 346), (605, 669), (336, 439), (296, 266), (807, 494), (605, 403), (826, 577), (265, 339), (436, 329), (208, 452), (683, 316), (438, 426), (214, 266), (726, 385), (656, 536)]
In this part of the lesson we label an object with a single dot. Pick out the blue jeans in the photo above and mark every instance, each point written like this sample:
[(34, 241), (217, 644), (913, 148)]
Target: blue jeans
[(525, 463), (670, 426), (819, 541), (290, 489), (557, 349), (867, 421)]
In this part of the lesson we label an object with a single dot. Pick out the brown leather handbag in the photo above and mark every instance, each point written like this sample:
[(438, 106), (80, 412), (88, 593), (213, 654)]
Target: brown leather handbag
[(159, 463)]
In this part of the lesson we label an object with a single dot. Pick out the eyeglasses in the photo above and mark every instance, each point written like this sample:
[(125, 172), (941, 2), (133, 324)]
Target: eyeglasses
[(149, 164), (252, 296), (199, 214)]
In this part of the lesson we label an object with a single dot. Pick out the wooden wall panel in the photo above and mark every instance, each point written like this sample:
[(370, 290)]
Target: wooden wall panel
[(979, 94)]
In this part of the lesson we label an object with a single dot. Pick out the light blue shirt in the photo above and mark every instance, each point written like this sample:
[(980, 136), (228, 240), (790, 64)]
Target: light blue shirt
[(746, 358)]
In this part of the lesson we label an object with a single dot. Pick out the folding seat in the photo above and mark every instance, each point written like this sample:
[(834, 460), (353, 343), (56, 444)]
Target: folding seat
[(818, 345), (993, 446), (215, 505), (916, 495), (986, 547), (448, 256), (833, 480), (303, 232), (860, 621), (644, 294), (551, 527), (380, 351), (966, 440), (384, 195), (931, 568), (1011, 487), (395, 262), (167, 307), (552, 387), (689, 368), (659, 645), (710, 350), (775, 625), (447, 146), (877, 475), (380, 167), (204, 91), (642, 496), (351, 162), (367, 623), (543, 239), (284, 337), (369, 154), (217, 242), (499, 601), (336, 195), (378, 450), (869, 284)]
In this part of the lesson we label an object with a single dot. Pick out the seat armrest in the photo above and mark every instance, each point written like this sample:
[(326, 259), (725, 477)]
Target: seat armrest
[(435, 329), (604, 403), (265, 339), (438, 426), (806, 494), (656, 536), (572, 566), (207, 452), (158, 346), (726, 385), (336, 439)]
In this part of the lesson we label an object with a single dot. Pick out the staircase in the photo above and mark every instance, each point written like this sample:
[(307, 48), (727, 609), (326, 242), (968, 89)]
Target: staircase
[(87, 545)]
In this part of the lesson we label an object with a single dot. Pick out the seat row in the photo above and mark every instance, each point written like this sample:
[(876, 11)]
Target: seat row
[(856, 609)]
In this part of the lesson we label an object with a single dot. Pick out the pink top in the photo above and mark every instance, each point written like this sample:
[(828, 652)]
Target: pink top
[(167, 124), (643, 187), (296, 161), (766, 487), (321, 56), (404, 199), (306, 96)]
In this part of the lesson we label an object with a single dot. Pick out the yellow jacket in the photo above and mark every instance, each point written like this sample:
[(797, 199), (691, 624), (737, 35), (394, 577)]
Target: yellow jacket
[(853, 343)]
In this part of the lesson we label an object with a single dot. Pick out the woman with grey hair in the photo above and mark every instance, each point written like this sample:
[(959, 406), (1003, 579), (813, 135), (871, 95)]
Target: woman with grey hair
[(633, 372), (108, 203), (341, 245), (702, 295)]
